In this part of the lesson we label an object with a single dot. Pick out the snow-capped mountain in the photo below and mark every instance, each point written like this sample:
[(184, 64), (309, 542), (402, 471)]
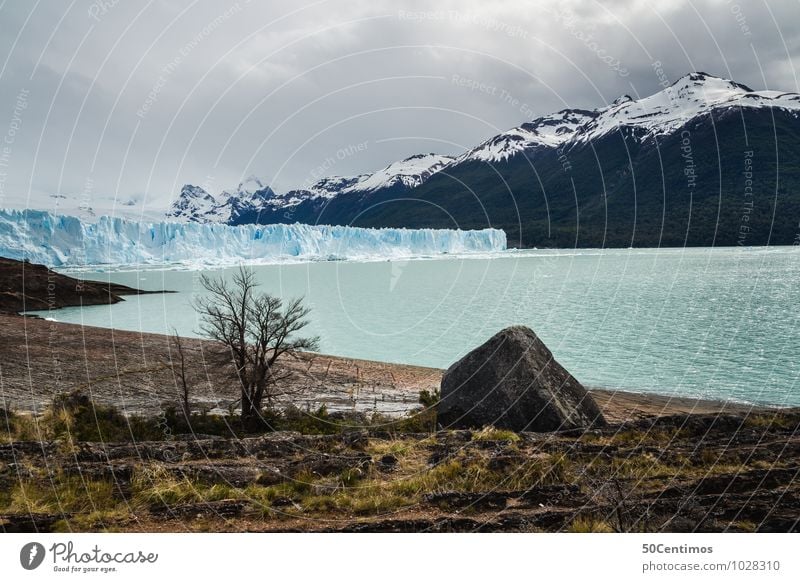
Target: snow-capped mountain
[(330, 187), (248, 187), (254, 197), (690, 98), (323, 189), (250, 195), (408, 173), (193, 204), (706, 161)]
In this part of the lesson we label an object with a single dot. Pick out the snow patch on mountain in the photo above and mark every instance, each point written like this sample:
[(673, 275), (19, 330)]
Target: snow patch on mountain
[(330, 187), (410, 172), (325, 189), (549, 131), (252, 194), (250, 186)]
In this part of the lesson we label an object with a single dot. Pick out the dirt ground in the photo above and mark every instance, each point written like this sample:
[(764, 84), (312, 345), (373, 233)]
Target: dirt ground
[(134, 371)]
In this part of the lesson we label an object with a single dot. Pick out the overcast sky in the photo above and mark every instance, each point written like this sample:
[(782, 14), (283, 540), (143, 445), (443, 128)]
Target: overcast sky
[(135, 99)]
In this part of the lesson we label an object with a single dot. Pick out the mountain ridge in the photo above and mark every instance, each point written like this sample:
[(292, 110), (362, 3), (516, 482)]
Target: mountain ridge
[(621, 145)]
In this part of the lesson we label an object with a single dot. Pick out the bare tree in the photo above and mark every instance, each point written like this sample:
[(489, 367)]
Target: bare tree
[(180, 373), (256, 330)]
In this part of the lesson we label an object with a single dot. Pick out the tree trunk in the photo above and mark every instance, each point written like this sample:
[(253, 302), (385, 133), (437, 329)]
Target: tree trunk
[(250, 409)]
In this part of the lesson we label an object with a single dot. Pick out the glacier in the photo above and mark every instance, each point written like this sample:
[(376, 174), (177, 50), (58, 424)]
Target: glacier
[(66, 241)]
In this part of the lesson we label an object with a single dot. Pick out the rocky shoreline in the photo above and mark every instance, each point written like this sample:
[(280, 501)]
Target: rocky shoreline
[(135, 372)]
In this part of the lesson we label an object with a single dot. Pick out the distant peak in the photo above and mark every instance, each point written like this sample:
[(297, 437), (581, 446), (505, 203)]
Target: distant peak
[(425, 156), (193, 191), (622, 99), (699, 78)]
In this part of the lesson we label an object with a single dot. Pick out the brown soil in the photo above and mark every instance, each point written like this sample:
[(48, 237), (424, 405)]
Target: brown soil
[(134, 372)]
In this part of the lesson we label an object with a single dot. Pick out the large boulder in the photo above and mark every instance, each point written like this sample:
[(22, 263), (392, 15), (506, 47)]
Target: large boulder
[(512, 381)]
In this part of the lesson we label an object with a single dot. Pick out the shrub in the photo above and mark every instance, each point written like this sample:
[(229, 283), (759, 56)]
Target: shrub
[(17, 427), (304, 421), (75, 417), (429, 399), (202, 423)]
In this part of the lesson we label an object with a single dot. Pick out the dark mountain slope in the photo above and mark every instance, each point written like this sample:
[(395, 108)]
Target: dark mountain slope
[(689, 187)]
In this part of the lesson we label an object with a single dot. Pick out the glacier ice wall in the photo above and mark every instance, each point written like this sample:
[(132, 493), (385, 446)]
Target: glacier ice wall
[(66, 241)]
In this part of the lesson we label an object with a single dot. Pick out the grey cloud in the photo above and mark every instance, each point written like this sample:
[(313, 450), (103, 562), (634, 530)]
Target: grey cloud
[(209, 92)]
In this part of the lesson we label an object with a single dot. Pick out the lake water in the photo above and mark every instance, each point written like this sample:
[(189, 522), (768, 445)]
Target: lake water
[(717, 323)]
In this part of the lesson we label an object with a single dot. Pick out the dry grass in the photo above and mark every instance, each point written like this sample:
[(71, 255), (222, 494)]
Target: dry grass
[(18, 427), (774, 420), (61, 495), (489, 433), (589, 525), (492, 461)]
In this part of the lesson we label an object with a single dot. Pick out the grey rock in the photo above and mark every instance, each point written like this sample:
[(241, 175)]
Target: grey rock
[(513, 382)]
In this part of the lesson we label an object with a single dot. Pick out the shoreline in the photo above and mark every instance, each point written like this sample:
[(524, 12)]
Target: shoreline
[(133, 371)]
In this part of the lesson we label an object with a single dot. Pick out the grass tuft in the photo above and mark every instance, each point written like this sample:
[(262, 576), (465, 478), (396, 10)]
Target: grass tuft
[(489, 433), (589, 525)]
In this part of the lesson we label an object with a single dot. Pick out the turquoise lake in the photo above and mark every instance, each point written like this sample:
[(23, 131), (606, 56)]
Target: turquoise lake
[(717, 323)]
